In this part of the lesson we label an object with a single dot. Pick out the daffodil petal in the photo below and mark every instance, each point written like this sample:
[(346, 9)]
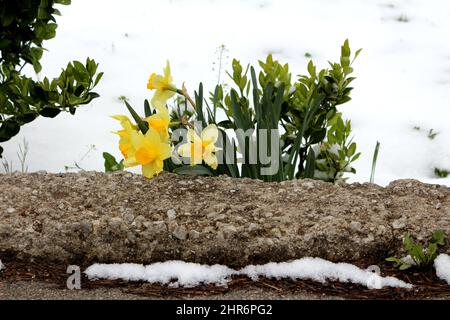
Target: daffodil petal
[(120, 117), (167, 76), (210, 134), (210, 159), (165, 151), (130, 162), (160, 98), (185, 150), (193, 136), (152, 138), (152, 169), (209, 148)]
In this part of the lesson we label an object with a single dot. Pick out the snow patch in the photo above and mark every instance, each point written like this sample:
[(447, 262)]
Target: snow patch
[(2, 266), (179, 273), (442, 266), (322, 270), (186, 274)]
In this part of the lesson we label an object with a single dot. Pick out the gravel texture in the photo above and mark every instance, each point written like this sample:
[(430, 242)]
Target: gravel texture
[(82, 218)]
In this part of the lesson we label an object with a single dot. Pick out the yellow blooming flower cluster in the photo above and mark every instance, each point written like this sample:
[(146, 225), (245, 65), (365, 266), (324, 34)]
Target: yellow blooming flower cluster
[(151, 149), (148, 150)]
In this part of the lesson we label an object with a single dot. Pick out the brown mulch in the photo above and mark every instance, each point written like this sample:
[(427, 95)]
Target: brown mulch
[(426, 284)]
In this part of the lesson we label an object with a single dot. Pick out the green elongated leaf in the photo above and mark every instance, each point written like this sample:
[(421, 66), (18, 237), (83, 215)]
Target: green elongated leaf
[(255, 92), (147, 109), (416, 252), (431, 252), (92, 96), (313, 106), (98, 78), (194, 170), (407, 241), (243, 122), (277, 105), (356, 157), (199, 104), (405, 266), (310, 164), (232, 167), (79, 67), (265, 116), (211, 118), (238, 117), (311, 69), (111, 163), (374, 161), (142, 125), (351, 149), (217, 99), (37, 66)]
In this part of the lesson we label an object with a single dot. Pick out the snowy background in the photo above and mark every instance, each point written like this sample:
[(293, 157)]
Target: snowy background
[(403, 72)]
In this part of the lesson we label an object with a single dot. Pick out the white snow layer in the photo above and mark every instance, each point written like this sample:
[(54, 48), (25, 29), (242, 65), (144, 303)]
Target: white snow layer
[(190, 274), (2, 266), (186, 274), (442, 266), (403, 73), (322, 270)]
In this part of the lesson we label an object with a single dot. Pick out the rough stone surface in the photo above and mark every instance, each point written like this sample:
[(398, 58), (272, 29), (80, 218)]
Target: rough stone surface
[(121, 217)]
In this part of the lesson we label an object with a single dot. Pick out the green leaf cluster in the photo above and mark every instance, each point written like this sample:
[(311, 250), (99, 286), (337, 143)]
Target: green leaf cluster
[(305, 112), (421, 257), (337, 152), (25, 25)]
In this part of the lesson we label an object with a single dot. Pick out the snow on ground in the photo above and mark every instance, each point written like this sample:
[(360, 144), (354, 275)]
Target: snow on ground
[(403, 72), (322, 270), (186, 274), (442, 266), (179, 273)]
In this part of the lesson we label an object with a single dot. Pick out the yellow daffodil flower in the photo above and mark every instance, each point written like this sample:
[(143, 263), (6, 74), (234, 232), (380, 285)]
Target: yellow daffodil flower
[(163, 86), (150, 152), (202, 148), (160, 122), (128, 127)]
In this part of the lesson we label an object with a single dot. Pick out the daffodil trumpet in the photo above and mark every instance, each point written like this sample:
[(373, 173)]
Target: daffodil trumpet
[(149, 152)]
